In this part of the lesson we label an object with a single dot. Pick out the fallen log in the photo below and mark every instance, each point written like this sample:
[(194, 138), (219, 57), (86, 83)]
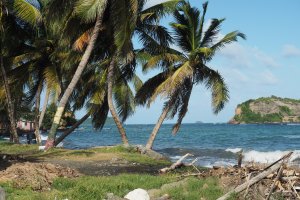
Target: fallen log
[(268, 170), (177, 164)]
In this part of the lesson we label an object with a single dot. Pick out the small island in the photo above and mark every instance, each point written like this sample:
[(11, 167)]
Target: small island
[(265, 110)]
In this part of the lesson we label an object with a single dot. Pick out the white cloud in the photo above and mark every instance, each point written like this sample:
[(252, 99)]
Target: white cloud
[(267, 77), (265, 59), (290, 51), (243, 56)]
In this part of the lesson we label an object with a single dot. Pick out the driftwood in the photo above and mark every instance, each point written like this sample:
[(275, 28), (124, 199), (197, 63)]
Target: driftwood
[(267, 171), (276, 181), (247, 190), (277, 161), (179, 163)]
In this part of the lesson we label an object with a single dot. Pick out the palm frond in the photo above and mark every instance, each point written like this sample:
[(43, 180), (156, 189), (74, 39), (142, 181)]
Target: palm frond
[(124, 100), (83, 40), (88, 10), (174, 81), (148, 88), (27, 12), (227, 39), (211, 33), (156, 12)]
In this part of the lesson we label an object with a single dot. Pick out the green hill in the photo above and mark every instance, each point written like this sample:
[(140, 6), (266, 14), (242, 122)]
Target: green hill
[(268, 110)]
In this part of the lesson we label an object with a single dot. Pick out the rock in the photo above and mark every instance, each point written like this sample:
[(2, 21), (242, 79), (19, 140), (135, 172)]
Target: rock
[(2, 194), (138, 194), (152, 154)]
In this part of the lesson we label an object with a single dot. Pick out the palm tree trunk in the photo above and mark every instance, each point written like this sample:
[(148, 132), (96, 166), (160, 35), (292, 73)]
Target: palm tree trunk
[(10, 105), (155, 130), (71, 86), (44, 107), (37, 113), (112, 109), (70, 130)]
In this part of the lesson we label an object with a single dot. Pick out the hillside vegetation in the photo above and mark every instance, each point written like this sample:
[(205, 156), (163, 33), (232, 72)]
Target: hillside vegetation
[(268, 110)]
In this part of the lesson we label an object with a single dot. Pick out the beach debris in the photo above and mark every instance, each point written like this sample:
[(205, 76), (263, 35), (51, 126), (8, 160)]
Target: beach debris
[(277, 180), (179, 163), (137, 194), (2, 194)]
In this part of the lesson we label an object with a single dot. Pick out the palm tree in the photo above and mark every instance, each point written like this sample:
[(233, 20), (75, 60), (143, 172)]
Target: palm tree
[(188, 67), (98, 12), (93, 94), (123, 17), (30, 14)]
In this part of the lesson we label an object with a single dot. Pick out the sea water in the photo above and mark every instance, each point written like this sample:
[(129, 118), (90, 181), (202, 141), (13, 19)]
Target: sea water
[(212, 144)]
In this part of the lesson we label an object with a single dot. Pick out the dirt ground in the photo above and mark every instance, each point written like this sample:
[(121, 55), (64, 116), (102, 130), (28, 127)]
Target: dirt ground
[(40, 173)]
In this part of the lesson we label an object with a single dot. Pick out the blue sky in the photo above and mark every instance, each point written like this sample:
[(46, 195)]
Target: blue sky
[(267, 63)]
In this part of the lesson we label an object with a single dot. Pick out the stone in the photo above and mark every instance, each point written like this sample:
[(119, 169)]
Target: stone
[(138, 194), (2, 194)]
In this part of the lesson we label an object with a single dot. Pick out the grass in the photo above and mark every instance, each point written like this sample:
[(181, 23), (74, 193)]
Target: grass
[(32, 151), (91, 188), (10, 148), (208, 189)]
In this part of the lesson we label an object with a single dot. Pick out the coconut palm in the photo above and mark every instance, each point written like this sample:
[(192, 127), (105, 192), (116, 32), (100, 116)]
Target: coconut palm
[(98, 11), (123, 17), (17, 10), (93, 94), (184, 68)]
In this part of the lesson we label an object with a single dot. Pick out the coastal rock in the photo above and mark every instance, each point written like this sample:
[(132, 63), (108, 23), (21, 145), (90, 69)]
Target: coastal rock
[(267, 110), (153, 154), (138, 194), (2, 194)]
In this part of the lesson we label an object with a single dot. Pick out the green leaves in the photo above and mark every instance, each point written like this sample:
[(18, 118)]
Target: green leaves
[(27, 12), (88, 10)]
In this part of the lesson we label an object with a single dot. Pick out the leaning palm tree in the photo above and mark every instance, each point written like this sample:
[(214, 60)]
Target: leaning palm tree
[(182, 69), (19, 10), (124, 16), (99, 7), (93, 95), (135, 20)]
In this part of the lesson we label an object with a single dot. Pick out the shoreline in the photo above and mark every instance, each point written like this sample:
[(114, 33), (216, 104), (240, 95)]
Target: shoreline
[(51, 169)]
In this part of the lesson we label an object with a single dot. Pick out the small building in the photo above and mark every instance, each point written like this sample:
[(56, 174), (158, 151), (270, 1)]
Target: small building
[(25, 125)]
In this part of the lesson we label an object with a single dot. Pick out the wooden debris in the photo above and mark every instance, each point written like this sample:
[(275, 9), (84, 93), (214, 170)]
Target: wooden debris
[(262, 177), (275, 182), (177, 164)]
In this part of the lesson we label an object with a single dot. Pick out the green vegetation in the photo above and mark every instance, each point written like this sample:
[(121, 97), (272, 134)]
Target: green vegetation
[(31, 151), (285, 109), (50, 112), (88, 187)]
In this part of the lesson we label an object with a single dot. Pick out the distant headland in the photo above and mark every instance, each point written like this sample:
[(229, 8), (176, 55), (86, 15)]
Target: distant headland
[(267, 110)]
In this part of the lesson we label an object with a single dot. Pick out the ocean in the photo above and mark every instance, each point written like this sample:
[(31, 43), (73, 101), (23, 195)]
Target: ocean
[(212, 144)]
